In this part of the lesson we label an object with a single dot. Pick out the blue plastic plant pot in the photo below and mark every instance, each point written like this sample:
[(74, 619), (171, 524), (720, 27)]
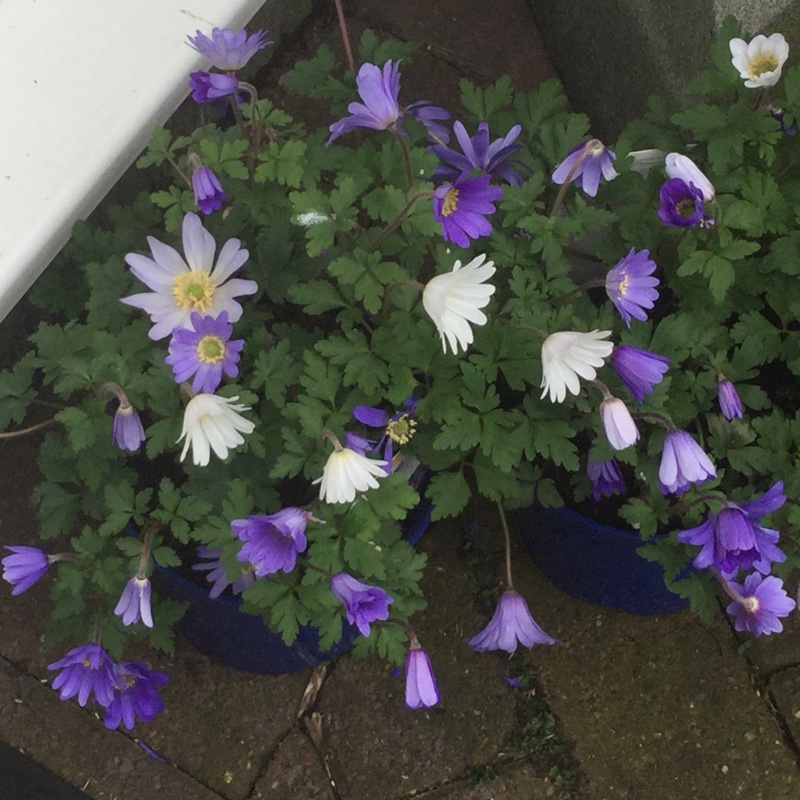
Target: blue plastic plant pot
[(219, 628), (596, 562)]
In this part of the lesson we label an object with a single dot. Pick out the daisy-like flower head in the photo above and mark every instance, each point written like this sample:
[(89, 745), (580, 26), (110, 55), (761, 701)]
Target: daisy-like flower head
[(479, 154), (208, 87), (196, 284), (453, 300), (398, 428), (640, 370), (227, 49), (363, 603), (380, 110), (218, 573), (631, 287), (729, 403), (213, 423), (679, 166), (205, 352), (347, 472), (127, 431), (585, 165), (422, 690), (208, 192), (683, 462), (135, 696), (621, 430), (682, 205), (761, 60), (511, 624), (568, 355), (24, 567), (606, 478), (134, 602), (461, 208), (85, 671), (763, 602)]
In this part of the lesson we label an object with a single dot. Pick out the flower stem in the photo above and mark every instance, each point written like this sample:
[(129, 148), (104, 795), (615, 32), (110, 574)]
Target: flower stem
[(665, 421), (406, 156), (327, 434), (345, 37), (748, 603), (401, 215), (30, 429), (507, 542)]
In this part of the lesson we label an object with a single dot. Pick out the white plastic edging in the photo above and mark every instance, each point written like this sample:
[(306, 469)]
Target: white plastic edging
[(85, 82)]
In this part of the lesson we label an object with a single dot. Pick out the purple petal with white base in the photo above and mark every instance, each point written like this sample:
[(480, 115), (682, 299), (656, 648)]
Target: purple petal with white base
[(594, 162), (631, 287), (683, 462), (766, 602), (227, 49), (127, 431), (134, 602), (421, 688), (729, 403), (24, 567)]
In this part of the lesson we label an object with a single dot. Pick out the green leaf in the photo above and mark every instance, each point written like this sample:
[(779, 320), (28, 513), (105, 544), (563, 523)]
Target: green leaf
[(82, 428), (485, 102), (450, 494)]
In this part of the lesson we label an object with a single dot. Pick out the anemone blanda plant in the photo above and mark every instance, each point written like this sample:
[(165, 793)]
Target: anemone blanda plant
[(248, 362)]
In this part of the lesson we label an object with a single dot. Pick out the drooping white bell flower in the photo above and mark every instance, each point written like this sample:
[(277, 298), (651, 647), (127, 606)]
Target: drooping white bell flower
[(211, 422), (453, 301), (621, 430), (760, 62), (568, 355), (347, 472), (680, 166)]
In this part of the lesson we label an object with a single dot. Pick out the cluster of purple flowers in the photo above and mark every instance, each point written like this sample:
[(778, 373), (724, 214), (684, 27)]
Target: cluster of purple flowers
[(126, 690)]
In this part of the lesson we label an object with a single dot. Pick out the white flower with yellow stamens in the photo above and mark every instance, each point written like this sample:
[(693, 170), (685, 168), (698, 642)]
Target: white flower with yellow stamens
[(181, 287), (213, 423), (760, 62)]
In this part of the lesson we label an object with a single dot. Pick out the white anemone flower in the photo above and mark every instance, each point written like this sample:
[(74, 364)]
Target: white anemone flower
[(569, 354), (211, 422), (621, 430), (454, 299), (679, 166), (760, 62), (194, 284), (347, 472)]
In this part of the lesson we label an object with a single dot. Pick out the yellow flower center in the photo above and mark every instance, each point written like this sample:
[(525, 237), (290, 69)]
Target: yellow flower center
[(193, 290), (623, 285), (450, 202), (763, 63), (210, 349), (401, 430)]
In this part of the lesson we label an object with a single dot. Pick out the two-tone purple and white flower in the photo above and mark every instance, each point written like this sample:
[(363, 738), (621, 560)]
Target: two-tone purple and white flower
[(134, 602), (631, 287), (511, 624), (759, 605), (683, 463), (226, 49), (586, 165)]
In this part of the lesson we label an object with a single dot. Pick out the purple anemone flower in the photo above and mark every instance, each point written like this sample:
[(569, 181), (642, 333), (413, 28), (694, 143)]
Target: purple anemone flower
[(479, 154), (218, 573), (682, 205), (763, 602), (461, 208), (430, 116), (397, 428), (639, 370), (272, 541), (683, 462), (208, 87), (136, 695), (134, 602), (380, 110), (204, 351), (208, 192), (127, 431), (363, 603), (631, 287), (24, 567), (606, 478), (421, 688), (729, 403), (511, 624), (734, 539), (588, 162), (227, 49), (86, 670)]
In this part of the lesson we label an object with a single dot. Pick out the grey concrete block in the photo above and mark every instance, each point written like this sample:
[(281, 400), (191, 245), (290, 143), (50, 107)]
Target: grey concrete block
[(612, 55)]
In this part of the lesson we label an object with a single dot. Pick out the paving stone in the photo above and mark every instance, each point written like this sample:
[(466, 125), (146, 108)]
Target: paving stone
[(785, 689), (513, 782), (294, 771)]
